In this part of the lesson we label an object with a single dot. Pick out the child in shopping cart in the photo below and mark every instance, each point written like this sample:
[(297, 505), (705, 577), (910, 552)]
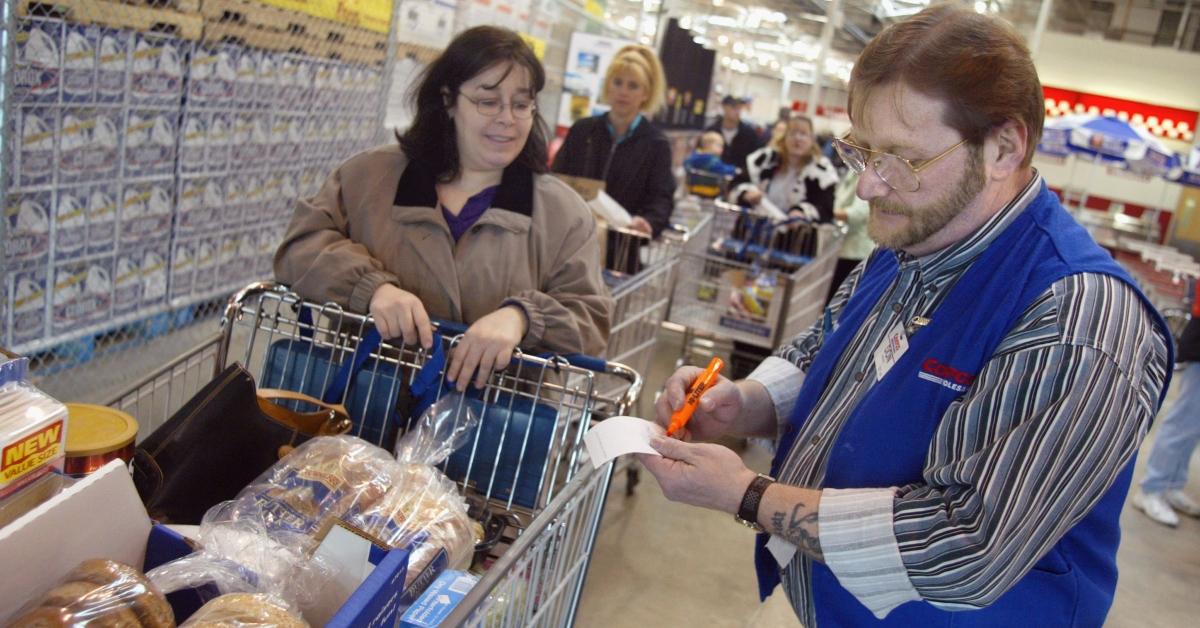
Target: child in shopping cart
[(707, 158)]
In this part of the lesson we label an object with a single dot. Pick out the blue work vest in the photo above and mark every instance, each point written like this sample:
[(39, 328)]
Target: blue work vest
[(885, 439)]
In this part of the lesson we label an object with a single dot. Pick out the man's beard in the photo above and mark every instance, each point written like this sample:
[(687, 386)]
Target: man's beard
[(923, 222)]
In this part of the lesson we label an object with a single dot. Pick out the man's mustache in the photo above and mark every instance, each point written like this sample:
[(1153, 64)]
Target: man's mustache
[(890, 208)]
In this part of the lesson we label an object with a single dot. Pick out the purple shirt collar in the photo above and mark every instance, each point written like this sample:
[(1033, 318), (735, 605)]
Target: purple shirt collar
[(471, 211)]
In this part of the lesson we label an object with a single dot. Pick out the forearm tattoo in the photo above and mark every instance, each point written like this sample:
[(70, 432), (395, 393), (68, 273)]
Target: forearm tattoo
[(799, 529)]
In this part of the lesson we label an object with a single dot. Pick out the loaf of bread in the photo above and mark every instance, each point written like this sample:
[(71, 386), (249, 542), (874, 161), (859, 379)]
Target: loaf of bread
[(239, 610), (337, 476), (100, 593), (423, 511)]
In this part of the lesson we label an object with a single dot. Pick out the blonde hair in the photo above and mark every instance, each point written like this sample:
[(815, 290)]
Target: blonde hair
[(780, 144), (710, 140), (641, 61)]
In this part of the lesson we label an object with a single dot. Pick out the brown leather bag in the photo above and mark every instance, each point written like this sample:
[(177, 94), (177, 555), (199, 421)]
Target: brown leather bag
[(221, 440)]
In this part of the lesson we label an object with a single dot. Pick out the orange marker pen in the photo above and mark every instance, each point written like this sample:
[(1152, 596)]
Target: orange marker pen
[(699, 386)]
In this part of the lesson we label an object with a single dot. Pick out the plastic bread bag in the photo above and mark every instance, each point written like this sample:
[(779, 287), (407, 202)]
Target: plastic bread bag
[(97, 593), (423, 510), (244, 610), (326, 477), (243, 556), (444, 427), (262, 540)]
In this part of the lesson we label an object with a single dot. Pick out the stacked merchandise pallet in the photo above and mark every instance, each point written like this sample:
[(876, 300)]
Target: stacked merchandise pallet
[(155, 148), (267, 115), (91, 125)]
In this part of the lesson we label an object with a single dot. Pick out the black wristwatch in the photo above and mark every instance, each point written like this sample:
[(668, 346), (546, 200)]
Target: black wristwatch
[(747, 513)]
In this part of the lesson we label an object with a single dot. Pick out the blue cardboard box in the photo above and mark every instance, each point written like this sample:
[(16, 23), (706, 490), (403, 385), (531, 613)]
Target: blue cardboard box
[(378, 601), (436, 603), (381, 598)]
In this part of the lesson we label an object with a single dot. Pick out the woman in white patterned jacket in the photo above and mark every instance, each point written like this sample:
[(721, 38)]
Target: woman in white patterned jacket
[(791, 173)]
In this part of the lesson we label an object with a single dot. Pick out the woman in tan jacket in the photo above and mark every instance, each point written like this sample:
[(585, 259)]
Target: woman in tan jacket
[(459, 222)]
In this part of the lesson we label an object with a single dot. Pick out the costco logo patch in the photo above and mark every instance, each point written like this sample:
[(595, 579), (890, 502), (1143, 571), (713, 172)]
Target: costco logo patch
[(945, 375)]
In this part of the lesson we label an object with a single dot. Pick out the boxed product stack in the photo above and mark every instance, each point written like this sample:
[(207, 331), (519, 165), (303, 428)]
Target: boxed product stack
[(94, 123), (158, 69), (275, 100), (158, 152), (67, 143), (207, 177)]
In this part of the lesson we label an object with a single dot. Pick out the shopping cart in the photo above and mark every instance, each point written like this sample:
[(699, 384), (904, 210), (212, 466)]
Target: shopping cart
[(639, 272), (705, 184), (523, 466), (756, 281), (538, 581)]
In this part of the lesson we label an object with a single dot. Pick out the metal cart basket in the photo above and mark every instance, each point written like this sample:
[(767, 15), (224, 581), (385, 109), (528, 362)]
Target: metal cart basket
[(524, 462), (756, 281), (639, 272)]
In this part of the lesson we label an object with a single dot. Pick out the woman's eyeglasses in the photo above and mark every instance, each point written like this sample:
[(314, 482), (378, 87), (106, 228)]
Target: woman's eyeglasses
[(491, 107)]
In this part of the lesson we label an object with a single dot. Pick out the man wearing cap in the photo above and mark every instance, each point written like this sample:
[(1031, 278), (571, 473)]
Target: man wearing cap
[(741, 138), (956, 435)]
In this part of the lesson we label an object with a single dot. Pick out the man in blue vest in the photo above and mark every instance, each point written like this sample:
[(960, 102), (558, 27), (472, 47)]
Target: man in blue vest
[(956, 436)]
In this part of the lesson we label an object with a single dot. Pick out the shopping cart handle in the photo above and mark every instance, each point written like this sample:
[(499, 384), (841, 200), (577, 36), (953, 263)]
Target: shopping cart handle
[(598, 365), (451, 328)]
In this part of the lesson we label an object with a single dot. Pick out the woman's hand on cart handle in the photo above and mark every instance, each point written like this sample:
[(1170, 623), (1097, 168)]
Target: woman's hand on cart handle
[(642, 225), (486, 346), (715, 414), (400, 314)]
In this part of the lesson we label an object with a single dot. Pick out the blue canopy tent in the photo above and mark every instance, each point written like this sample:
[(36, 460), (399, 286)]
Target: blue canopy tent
[(1109, 139), (1189, 174)]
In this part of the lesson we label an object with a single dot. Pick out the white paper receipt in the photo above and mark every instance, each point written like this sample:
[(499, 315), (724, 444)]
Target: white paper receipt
[(620, 435)]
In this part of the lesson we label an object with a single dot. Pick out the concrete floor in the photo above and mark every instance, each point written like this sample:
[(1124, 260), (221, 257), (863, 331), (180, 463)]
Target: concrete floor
[(658, 563)]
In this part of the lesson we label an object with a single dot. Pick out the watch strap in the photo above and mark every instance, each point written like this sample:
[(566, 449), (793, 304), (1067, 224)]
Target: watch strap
[(747, 513)]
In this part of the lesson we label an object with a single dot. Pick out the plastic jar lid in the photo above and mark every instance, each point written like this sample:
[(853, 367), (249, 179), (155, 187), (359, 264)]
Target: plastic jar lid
[(93, 429)]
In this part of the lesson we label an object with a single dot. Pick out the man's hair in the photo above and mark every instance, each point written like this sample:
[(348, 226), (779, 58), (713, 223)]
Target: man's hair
[(977, 64), (711, 140), (642, 62), (431, 136)]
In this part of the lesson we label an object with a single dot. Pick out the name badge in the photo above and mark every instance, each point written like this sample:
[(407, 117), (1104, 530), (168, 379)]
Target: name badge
[(889, 351)]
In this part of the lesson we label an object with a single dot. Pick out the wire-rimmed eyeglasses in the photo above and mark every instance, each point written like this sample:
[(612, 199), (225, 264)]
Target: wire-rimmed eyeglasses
[(491, 107), (896, 171)]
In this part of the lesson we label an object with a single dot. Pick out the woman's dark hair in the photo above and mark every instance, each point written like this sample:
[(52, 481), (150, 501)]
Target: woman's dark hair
[(431, 137)]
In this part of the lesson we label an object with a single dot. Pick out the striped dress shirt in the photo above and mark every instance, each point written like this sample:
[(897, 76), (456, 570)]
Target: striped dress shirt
[(1051, 420)]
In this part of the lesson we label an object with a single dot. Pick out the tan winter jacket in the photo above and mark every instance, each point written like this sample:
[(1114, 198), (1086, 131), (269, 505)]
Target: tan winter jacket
[(376, 220)]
